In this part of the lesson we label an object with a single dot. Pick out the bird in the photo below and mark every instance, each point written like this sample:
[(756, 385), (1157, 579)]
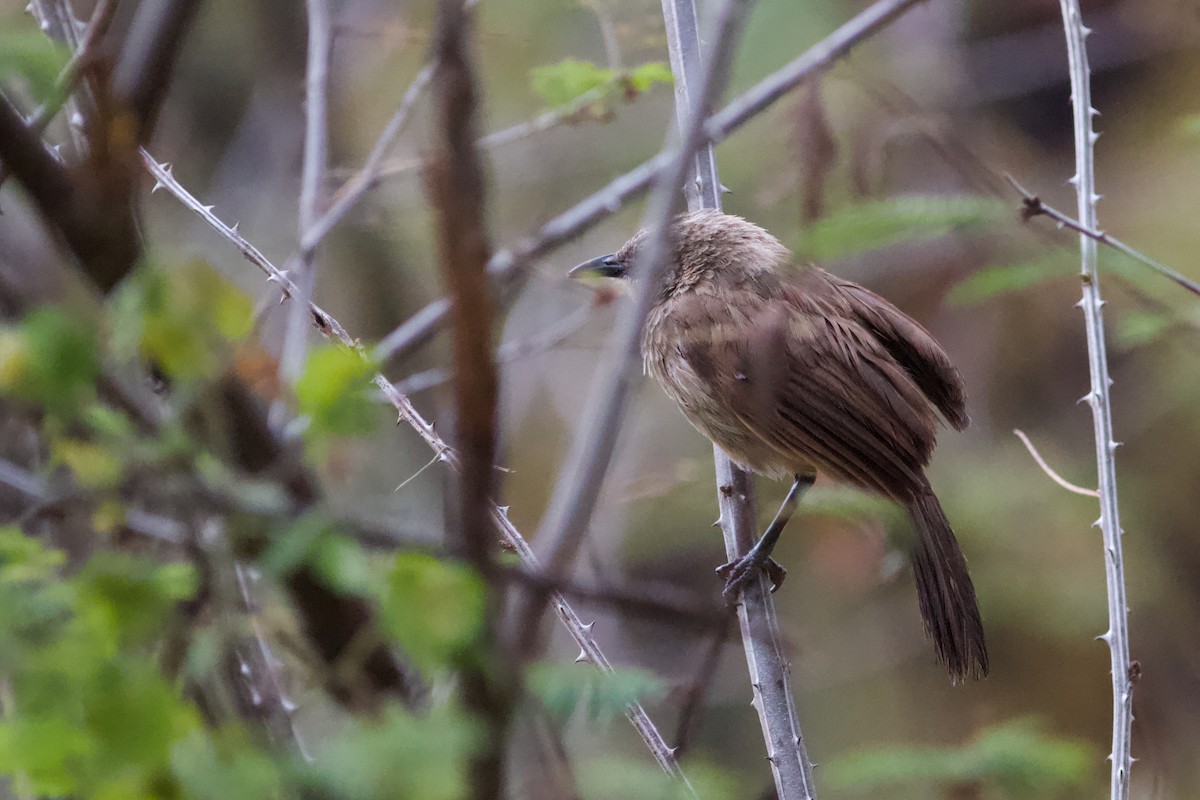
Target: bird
[(795, 372)]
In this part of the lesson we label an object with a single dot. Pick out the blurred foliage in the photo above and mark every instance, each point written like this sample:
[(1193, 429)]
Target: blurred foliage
[(564, 84), (334, 391), (1016, 759), (28, 54), (119, 653), (880, 223), (566, 689)]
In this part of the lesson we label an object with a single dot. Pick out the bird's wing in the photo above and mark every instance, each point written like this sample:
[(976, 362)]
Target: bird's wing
[(820, 387), (908, 343)]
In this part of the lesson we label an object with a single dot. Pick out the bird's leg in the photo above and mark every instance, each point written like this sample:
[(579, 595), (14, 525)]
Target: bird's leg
[(739, 571)]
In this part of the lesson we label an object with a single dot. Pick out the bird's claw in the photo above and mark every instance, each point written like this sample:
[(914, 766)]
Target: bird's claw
[(739, 572)]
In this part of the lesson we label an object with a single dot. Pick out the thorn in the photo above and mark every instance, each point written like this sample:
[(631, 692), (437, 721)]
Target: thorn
[(1099, 523), (207, 209), (587, 627), (717, 524), (289, 705), (1073, 180), (158, 184), (725, 189), (77, 120), (1113, 446), (1093, 112), (234, 228), (1096, 198), (1088, 398), (1094, 136), (503, 510), (582, 657), (1105, 637), (1084, 31), (671, 751)]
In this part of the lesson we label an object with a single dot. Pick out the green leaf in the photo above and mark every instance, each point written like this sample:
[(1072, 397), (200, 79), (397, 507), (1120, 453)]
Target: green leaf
[(225, 765), (33, 55), (333, 391), (887, 222), (182, 320), (60, 363), (645, 77), (1138, 329), (992, 282), (559, 84), (397, 757), (135, 597), (1016, 755), (45, 750), (434, 609), (603, 696)]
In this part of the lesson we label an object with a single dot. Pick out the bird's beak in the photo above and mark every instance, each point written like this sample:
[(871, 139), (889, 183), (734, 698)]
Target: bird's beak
[(603, 266)]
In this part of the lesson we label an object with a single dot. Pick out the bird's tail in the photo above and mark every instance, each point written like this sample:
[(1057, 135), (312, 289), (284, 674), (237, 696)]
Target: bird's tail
[(945, 591)]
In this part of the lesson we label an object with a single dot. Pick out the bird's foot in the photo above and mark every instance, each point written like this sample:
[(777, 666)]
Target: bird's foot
[(739, 572)]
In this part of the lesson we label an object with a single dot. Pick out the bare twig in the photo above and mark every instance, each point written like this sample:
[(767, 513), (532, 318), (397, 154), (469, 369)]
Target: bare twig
[(312, 178), (761, 639), (353, 190), (508, 267), (547, 339), (578, 487), (330, 328), (522, 130), (264, 674), (1033, 206), (1050, 473), (152, 48), (693, 696), (1117, 635), (70, 73)]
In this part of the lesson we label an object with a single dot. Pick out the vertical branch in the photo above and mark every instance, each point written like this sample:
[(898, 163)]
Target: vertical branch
[(765, 660), (312, 177), (1117, 635), (456, 188), (578, 487)]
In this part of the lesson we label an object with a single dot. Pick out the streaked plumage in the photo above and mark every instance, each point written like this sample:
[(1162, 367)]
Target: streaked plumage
[(793, 371)]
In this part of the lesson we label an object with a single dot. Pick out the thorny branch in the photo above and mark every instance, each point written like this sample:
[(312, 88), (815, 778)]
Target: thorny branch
[(761, 639), (1117, 635), (578, 487), (330, 328), (1033, 206)]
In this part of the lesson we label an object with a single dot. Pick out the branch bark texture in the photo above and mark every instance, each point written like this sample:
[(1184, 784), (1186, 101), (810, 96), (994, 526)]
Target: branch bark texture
[(456, 188), (1117, 635), (765, 660)]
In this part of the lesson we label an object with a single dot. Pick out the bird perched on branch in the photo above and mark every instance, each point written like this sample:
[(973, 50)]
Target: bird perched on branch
[(794, 372)]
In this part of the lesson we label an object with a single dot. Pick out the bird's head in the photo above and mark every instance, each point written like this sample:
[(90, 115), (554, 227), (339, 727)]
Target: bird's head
[(705, 244)]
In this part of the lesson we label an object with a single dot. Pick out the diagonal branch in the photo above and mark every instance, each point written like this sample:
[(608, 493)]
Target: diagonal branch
[(1033, 206), (508, 267), (1117, 635), (330, 328)]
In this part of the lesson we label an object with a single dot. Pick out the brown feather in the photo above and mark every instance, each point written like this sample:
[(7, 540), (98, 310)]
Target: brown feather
[(793, 371)]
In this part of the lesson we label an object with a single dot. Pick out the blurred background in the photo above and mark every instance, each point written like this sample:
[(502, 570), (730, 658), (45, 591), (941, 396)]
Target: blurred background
[(888, 171)]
